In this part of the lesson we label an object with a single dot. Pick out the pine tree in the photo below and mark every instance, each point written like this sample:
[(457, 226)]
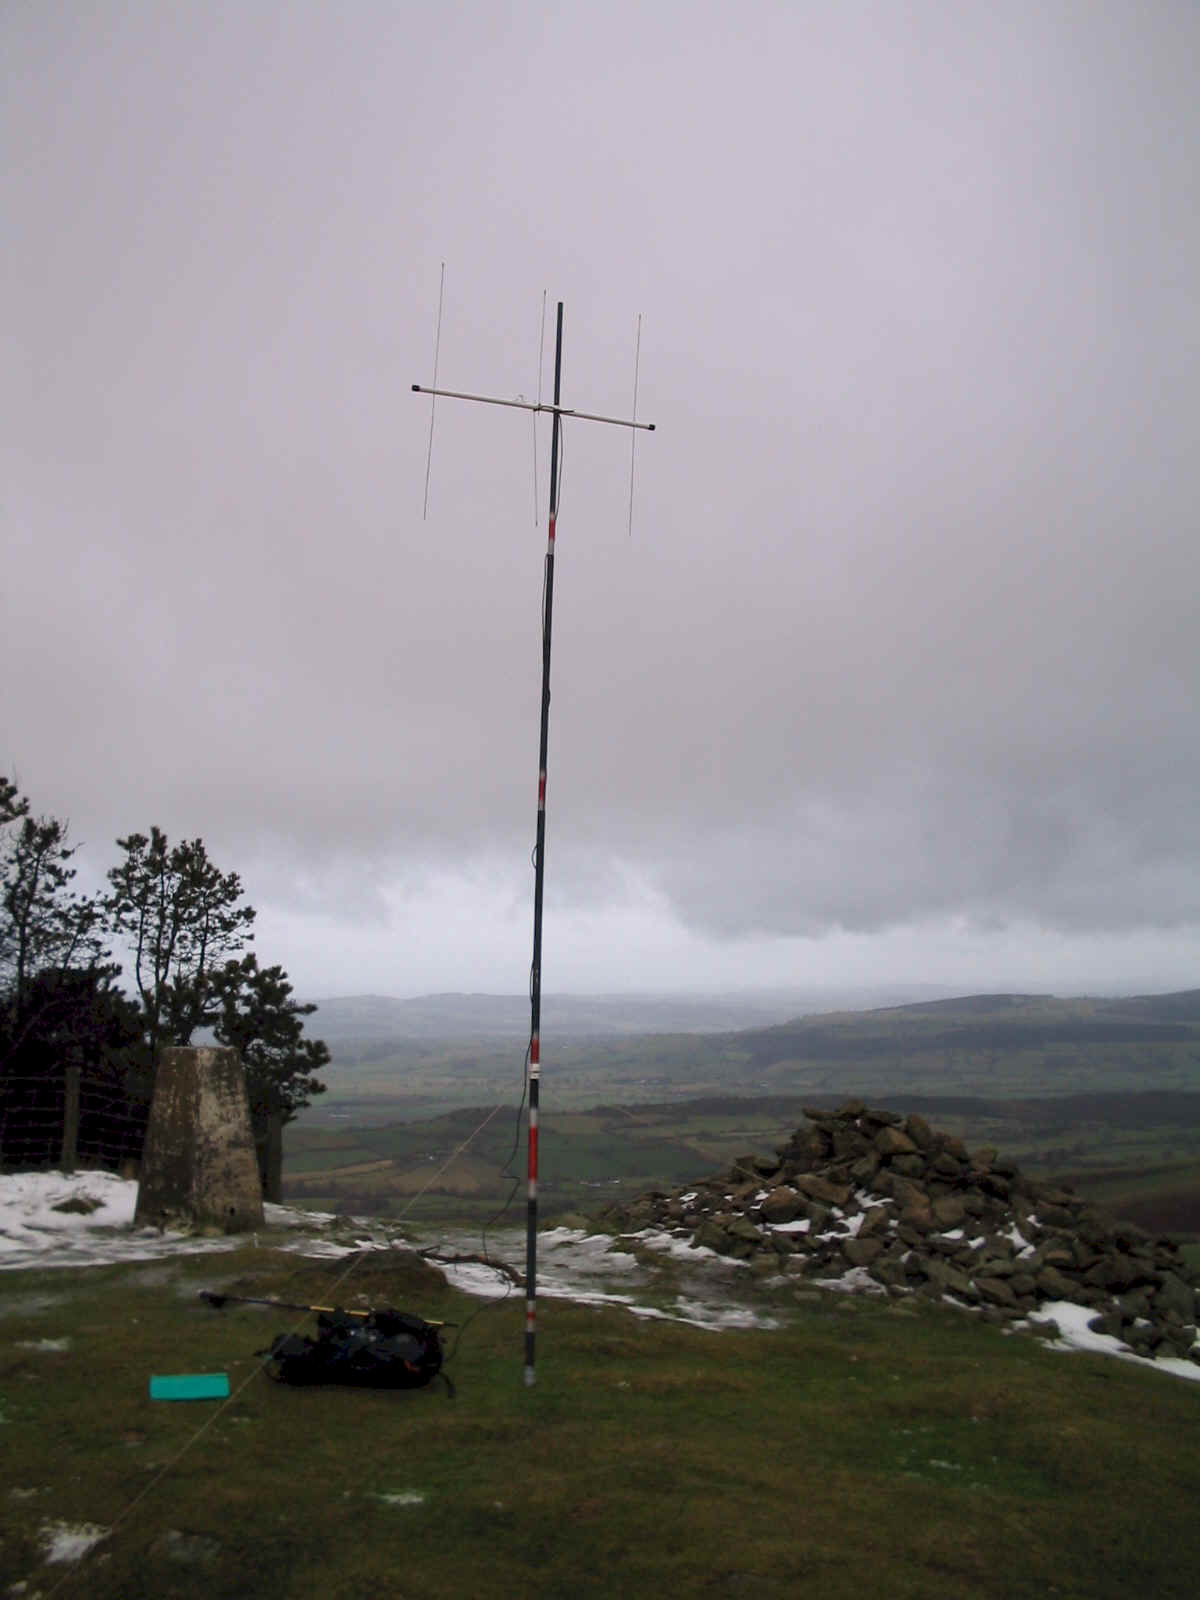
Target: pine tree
[(47, 928), (181, 919)]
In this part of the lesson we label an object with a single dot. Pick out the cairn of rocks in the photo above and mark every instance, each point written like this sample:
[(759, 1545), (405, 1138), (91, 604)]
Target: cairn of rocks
[(881, 1200)]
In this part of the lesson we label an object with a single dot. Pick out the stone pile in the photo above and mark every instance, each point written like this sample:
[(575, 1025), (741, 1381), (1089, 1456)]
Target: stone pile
[(879, 1199)]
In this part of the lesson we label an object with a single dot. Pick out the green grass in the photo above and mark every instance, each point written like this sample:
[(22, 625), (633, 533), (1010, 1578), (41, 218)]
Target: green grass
[(893, 1448)]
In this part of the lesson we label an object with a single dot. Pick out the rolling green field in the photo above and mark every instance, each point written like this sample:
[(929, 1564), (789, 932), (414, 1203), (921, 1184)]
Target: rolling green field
[(998, 1046), (1138, 1155), (1104, 1093)]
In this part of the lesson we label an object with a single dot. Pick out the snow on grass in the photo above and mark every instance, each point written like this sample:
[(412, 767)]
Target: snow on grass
[(580, 1266), (1074, 1334), (572, 1263), (681, 1249), (70, 1541), (97, 1228), (702, 1315), (855, 1281)]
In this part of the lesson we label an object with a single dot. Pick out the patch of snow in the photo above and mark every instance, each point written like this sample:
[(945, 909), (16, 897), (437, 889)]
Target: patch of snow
[(287, 1217), (1020, 1243), (48, 1345), (856, 1281), (553, 1236), (1074, 1334), (701, 1315), (799, 1225), (67, 1541), (34, 1233), (682, 1249), (473, 1277), (402, 1497), (305, 1246), (647, 1313), (581, 1267)]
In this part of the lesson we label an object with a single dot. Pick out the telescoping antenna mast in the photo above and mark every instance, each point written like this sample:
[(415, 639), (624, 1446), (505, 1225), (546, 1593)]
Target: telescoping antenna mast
[(557, 411)]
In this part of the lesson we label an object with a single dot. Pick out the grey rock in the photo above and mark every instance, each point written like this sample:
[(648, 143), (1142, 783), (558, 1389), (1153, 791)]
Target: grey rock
[(889, 1273), (1174, 1295), (862, 1252), (710, 1236), (996, 1291), (818, 1188), (948, 1211), (894, 1142), (919, 1131), (1053, 1284), (874, 1222), (783, 1204)]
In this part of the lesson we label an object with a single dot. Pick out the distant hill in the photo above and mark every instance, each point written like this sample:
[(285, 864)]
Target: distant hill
[(972, 1004), (1182, 1006), (437, 1051), (442, 1017), (980, 1024)]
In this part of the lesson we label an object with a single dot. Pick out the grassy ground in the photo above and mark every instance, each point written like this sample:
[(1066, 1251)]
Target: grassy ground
[(860, 1447)]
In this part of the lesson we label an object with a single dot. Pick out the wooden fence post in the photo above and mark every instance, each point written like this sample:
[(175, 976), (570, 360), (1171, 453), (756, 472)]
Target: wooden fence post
[(70, 1136)]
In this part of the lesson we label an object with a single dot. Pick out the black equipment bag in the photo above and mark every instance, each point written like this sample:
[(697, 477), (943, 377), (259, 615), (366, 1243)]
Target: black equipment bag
[(383, 1350)]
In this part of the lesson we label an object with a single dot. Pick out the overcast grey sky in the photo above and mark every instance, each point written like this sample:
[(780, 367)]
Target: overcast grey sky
[(896, 678)]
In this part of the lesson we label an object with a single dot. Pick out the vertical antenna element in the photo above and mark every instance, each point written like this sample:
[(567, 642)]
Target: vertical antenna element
[(535, 978), (533, 415), (637, 361), (437, 347), (534, 1070)]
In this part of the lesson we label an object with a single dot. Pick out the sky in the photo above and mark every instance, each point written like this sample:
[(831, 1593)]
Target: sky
[(890, 675)]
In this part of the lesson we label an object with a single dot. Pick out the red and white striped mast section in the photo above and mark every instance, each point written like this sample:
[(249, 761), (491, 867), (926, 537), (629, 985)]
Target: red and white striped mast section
[(558, 412)]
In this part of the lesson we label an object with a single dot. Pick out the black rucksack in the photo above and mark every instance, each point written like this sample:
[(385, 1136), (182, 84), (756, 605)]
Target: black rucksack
[(381, 1350)]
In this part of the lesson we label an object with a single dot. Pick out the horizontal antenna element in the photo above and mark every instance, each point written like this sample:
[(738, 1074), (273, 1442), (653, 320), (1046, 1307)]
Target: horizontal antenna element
[(530, 405)]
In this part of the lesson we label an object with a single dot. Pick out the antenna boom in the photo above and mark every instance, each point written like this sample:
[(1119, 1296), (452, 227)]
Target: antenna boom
[(533, 405)]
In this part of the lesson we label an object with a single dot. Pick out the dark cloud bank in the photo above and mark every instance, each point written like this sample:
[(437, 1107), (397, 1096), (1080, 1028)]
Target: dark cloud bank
[(904, 634)]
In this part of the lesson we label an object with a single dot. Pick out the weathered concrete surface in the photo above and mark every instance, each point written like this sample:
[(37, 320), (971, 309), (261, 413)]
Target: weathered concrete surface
[(199, 1167)]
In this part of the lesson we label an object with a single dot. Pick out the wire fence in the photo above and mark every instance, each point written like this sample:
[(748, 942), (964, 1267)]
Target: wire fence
[(64, 1119)]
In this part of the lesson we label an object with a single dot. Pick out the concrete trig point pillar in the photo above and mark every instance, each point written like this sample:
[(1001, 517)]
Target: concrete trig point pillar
[(199, 1168)]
